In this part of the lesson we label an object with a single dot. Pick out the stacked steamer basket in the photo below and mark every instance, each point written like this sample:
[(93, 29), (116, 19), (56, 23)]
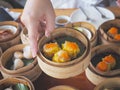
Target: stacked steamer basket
[(87, 29), (10, 34), (109, 84), (104, 63), (109, 32), (65, 69), (7, 61), (16, 83)]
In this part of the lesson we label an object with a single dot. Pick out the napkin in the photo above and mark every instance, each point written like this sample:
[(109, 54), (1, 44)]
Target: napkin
[(15, 15)]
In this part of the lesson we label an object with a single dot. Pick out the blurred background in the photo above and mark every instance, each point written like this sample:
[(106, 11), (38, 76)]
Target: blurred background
[(21, 3)]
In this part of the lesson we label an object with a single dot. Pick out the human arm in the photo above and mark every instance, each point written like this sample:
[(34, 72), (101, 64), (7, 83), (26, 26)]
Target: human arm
[(118, 2), (38, 17)]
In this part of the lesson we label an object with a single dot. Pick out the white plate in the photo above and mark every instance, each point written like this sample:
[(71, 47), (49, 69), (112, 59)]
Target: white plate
[(94, 14)]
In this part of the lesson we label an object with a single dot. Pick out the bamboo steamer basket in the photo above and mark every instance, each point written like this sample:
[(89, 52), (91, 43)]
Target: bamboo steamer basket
[(26, 71), (67, 69), (96, 76), (62, 87), (109, 84), (89, 27), (24, 36), (15, 39), (15, 80), (0, 51), (102, 32)]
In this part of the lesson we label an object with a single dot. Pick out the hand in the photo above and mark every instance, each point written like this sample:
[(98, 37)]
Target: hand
[(118, 2), (38, 17)]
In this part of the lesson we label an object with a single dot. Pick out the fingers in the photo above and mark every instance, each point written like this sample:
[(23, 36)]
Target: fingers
[(33, 35), (118, 2), (50, 24)]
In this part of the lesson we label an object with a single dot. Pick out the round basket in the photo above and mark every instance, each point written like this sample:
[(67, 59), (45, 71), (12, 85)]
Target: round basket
[(109, 84), (0, 51), (14, 39), (26, 71), (24, 36), (104, 38), (66, 69), (96, 76), (15, 80), (62, 87), (89, 27)]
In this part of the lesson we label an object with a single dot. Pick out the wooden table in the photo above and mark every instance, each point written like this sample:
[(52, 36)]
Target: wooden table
[(81, 82)]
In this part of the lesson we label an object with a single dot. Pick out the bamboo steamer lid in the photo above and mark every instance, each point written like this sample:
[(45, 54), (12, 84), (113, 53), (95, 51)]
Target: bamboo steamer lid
[(96, 76), (89, 27), (109, 84), (26, 71), (15, 80), (14, 39), (104, 38), (65, 70)]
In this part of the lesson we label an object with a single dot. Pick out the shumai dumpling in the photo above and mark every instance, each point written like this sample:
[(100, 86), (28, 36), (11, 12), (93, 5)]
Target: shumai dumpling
[(111, 60), (72, 48), (61, 56), (50, 49)]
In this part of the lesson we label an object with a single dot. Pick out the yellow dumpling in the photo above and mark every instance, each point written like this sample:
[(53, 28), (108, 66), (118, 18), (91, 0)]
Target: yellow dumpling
[(61, 56), (50, 49), (72, 48)]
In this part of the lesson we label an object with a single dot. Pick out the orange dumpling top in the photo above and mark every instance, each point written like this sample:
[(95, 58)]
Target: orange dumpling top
[(71, 47), (103, 66), (113, 31), (110, 59), (61, 56), (50, 49), (117, 37)]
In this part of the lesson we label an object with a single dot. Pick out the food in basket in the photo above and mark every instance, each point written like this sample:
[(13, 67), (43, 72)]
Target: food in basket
[(68, 51), (107, 63), (85, 31), (18, 63), (18, 86), (27, 53), (49, 49), (72, 48), (5, 34), (63, 49), (117, 37), (103, 66), (61, 56), (110, 60), (18, 54), (113, 31), (20, 59)]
